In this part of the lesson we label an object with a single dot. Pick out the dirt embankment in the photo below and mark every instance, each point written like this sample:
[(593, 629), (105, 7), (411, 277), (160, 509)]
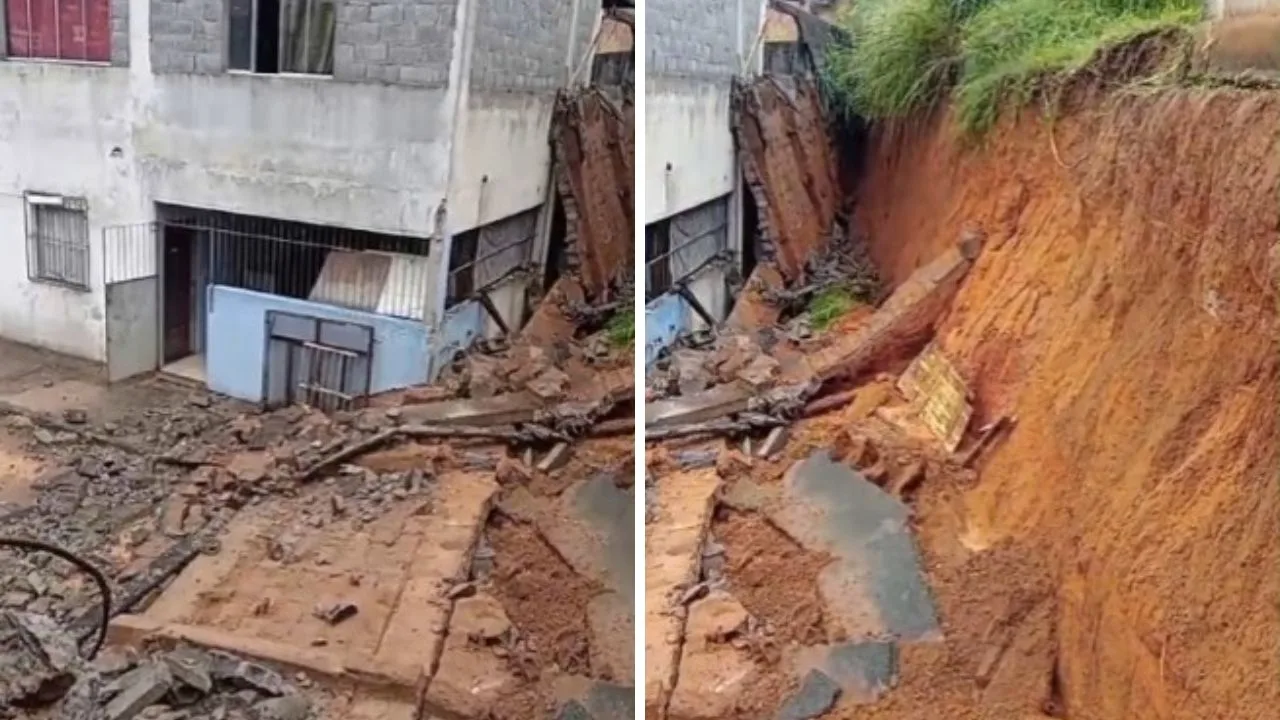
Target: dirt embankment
[(1124, 311)]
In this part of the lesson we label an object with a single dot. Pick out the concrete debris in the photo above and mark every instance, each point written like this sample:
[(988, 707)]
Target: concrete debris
[(573, 710), (139, 690), (816, 696), (692, 459), (551, 384), (774, 442), (334, 613), (760, 373), (39, 661), (556, 458), (289, 707)]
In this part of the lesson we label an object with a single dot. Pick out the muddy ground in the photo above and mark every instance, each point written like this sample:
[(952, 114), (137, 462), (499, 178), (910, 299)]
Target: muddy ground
[(413, 579)]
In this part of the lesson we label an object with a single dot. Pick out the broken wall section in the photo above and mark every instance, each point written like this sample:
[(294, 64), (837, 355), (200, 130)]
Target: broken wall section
[(594, 144), (789, 167)]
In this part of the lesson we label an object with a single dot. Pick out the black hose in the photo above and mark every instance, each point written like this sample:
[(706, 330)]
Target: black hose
[(104, 587)]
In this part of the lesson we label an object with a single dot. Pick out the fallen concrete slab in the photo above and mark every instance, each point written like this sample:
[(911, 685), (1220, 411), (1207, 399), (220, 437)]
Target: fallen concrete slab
[(707, 405), (497, 410), (875, 589)]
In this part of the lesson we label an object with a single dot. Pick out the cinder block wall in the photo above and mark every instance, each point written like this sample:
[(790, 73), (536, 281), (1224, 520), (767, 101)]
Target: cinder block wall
[(520, 45), (407, 42)]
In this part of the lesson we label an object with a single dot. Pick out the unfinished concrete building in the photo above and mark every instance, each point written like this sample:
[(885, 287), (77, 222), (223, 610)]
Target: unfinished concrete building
[(721, 112), (274, 198)]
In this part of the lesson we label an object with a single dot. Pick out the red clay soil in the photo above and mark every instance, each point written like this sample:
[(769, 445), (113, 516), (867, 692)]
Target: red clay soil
[(543, 597), (775, 579), (1124, 311)]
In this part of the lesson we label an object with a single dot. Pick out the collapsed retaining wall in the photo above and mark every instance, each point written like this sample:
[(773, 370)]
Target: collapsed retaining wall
[(789, 167), (594, 145), (1124, 310)]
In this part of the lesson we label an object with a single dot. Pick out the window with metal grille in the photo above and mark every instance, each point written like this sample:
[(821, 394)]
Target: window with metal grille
[(282, 36), (59, 29), (58, 239)]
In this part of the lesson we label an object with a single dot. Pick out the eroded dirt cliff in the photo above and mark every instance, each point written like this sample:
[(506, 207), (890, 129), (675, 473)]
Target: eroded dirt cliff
[(1124, 310)]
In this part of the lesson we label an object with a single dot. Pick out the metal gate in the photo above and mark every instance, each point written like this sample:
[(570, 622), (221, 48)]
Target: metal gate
[(327, 364), (131, 288)]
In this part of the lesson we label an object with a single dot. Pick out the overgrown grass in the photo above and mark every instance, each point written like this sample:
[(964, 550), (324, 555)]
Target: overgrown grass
[(904, 55), (621, 329), (830, 304)]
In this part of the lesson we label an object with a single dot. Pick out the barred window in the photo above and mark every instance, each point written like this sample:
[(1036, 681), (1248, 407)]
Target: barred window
[(58, 239)]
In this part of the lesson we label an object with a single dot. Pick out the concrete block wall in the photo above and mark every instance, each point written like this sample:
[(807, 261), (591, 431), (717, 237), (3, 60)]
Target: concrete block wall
[(120, 32), (695, 40), (407, 42), (188, 36), (521, 45)]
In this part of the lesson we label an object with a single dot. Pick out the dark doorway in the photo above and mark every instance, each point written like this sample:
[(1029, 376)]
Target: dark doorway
[(557, 253), (750, 232), (179, 292)]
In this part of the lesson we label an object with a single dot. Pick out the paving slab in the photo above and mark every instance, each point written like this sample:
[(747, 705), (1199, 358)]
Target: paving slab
[(875, 587), (673, 551), (396, 571), (865, 671)]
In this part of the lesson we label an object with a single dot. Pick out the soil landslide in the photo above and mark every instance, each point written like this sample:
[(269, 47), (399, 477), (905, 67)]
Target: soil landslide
[(1124, 310)]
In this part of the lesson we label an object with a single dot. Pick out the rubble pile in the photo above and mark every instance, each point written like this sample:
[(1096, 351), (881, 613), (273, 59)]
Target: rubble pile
[(181, 684), (546, 371)]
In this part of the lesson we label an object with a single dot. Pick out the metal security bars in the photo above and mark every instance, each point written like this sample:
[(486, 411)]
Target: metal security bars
[(680, 248), (489, 256), (374, 272), (326, 364), (58, 240)]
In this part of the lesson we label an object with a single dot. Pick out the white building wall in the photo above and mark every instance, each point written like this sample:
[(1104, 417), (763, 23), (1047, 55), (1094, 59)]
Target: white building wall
[(694, 52), (64, 129), (368, 155), (689, 153)]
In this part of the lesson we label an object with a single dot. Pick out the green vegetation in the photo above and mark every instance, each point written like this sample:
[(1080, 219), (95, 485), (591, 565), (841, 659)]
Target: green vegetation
[(830, 304), (904, 55), (621, 328)]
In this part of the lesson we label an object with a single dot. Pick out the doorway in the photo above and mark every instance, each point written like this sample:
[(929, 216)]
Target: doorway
[(182, 331)]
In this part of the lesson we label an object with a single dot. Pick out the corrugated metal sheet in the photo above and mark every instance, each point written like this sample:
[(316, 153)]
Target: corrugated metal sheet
[(405, 292), (352, 279), (386, 283)]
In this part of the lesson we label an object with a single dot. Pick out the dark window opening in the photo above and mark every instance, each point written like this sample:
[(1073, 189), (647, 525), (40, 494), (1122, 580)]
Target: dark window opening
[(290, 36), (557, 251), (750, 233), (613, 69), (462, 266), (657, 253)]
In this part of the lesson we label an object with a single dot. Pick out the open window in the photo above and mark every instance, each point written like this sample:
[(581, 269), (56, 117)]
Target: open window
[(282, 36)]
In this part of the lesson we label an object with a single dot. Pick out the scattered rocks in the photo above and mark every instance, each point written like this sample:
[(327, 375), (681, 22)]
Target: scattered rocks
[(335, 613), (816, 696), (288, 707)]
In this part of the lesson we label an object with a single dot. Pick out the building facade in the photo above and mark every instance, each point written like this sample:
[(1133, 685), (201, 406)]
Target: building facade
[(694, 203), (271, 194)]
